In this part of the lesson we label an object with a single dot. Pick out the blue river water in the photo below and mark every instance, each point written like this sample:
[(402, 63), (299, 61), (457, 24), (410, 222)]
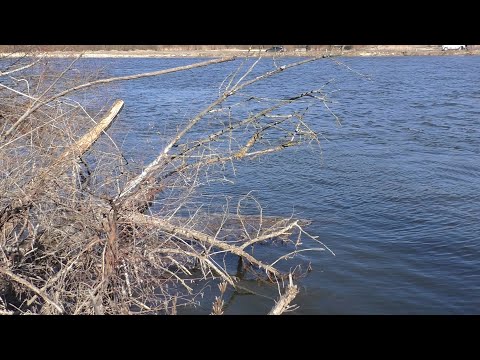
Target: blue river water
[(394, 192)]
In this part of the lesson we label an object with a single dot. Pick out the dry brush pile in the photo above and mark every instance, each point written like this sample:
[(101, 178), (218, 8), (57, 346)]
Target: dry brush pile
[(83, 232)]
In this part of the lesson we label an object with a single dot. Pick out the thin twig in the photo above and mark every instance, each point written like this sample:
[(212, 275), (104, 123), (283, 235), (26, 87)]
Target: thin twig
[(32, 287), (110, 80), (19, 69)]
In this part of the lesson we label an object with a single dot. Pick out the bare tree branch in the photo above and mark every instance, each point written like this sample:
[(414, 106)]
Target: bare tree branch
[(283, 303), (20, 68), (32, 287), (106, 81), (73, 232), (200, 237), (154, 165)]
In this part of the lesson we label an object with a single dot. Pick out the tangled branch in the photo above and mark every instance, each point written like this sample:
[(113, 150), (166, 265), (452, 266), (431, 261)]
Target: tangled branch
[(75, 235)]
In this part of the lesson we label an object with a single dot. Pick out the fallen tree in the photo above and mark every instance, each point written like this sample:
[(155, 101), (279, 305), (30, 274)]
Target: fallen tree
[(81, 232)]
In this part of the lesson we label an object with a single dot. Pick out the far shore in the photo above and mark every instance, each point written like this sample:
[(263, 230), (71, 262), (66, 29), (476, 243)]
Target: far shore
[(244, 53)]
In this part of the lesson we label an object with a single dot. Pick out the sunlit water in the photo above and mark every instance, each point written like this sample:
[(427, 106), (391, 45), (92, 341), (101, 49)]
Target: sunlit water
[(395, 192)]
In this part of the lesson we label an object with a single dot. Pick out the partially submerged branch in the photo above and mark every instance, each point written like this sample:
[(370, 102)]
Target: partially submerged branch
[(198, 236), (73, 214), (283, 303)]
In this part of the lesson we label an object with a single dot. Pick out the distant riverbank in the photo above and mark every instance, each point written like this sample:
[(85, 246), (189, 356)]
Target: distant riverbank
[(242, 53)]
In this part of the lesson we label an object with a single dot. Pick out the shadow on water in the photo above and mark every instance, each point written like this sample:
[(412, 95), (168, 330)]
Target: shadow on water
[(252, 296)]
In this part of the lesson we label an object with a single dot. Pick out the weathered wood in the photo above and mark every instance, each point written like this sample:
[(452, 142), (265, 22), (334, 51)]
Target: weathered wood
[(63, 162), (87, 140), (283, 304), (232, 223), (200, 237)]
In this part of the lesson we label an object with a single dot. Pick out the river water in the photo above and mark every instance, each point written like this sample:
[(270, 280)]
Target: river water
[(394, 192)]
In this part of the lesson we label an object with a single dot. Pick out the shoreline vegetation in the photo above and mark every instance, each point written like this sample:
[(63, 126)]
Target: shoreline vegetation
[(83, 230), (219, 51)]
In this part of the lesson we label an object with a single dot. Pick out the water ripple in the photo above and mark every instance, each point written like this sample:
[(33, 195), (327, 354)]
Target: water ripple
[(395, 193)]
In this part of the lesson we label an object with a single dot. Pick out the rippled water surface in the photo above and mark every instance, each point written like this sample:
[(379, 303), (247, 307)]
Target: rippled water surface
[(395, 192)]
